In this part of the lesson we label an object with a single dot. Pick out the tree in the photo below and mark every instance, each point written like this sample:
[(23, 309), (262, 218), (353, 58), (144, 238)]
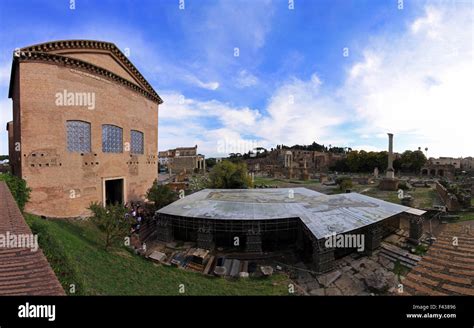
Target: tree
[(353, 161), (412, 161), (210, 162), (161, 195), (228, 175), (18, 188), (418, 160), (340, 166), (111, 221)]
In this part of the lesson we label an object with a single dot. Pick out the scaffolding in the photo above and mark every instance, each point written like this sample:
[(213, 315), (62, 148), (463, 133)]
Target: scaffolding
[(248, 235)]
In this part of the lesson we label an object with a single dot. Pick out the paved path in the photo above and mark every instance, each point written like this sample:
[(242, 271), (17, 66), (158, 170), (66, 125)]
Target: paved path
[(22, 272), (446, 269)]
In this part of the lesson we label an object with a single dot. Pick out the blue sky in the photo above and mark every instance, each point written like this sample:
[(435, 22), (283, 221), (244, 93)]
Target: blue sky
[(408, 70)]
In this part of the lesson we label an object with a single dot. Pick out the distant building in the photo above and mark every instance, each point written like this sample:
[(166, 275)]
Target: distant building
[(456, 162), (85, 126), (292, 163), (183, 159), (438, 171)]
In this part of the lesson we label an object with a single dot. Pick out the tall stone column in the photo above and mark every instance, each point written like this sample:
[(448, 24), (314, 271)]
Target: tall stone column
[(389, 182), (390, 170)]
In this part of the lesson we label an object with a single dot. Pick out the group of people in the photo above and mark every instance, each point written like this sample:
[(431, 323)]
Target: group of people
[(136, 215)]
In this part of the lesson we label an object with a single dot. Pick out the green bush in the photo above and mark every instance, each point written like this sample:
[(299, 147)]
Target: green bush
[(18, 188), (228, 175), (344, 183), (403, 186), (161, 195), (111, 221)]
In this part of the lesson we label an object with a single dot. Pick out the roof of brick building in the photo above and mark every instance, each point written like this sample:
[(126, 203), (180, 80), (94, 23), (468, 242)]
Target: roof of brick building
[(22, 271)]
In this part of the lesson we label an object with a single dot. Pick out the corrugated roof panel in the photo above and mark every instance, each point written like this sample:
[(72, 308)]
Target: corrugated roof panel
[(322, 214)]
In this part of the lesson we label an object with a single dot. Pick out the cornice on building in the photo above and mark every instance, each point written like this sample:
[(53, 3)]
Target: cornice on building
[(42, 53)]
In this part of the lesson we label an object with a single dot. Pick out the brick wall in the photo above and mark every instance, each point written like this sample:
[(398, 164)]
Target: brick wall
[(53, 173), (22, 272)]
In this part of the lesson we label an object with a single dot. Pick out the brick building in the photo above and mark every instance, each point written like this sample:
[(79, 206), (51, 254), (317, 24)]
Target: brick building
[(85, 126), (183, 159)]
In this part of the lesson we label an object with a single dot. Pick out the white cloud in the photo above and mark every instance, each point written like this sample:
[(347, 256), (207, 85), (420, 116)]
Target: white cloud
[(297, 112), (420, 83), (429, 23), (246, 79), (209, 124), (205, 85), (367, 148), (417, 85)]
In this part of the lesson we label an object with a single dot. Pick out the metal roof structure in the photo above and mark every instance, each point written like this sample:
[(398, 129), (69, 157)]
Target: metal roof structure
[(324, 215)]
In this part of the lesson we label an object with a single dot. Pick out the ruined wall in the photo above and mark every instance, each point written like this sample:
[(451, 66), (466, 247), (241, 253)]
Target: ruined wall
[(179, 164), (64, 183), (448, 199), (274, 163)]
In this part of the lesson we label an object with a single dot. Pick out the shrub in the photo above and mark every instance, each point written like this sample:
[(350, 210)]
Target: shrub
[(344, 183), (228, 175), (161, 195), (403, 185), (110, 220), (18, 188)]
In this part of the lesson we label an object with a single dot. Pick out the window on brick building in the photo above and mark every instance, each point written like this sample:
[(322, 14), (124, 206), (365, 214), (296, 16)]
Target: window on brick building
[(78, 136), (136, 142), (112, 139)]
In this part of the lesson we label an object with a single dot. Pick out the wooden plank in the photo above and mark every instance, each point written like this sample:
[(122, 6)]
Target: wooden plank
[(402, 260), (209, 265), (401, 252)]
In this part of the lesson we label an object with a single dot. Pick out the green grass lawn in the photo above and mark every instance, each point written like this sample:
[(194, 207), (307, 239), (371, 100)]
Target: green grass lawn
[(423, 197), (76, 254), (465, 216), (389, 196), (284, 182)]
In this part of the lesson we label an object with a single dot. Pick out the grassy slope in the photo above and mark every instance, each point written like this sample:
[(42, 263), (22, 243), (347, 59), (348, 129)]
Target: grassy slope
[(75, 253)]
